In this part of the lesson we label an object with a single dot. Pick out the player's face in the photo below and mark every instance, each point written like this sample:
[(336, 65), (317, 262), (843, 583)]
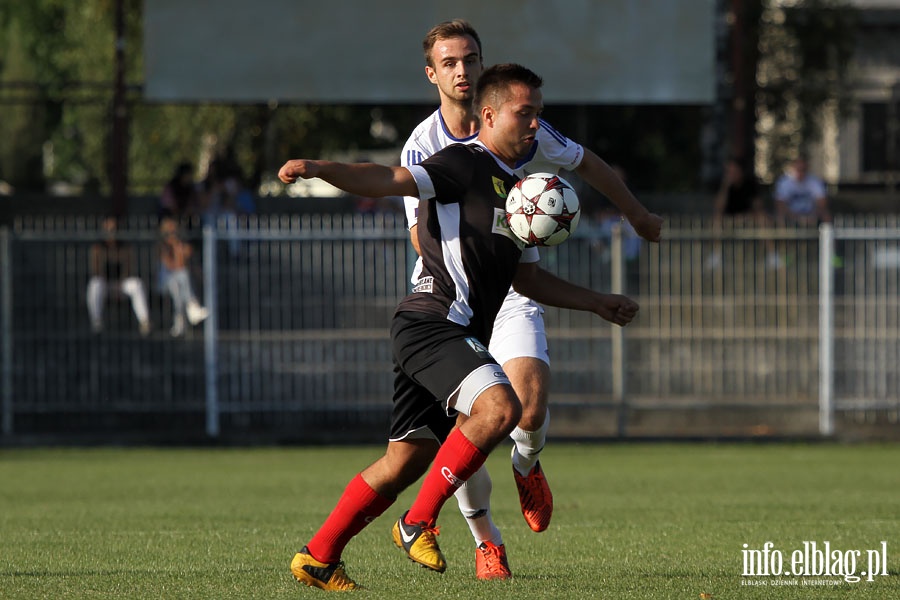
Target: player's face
[(457, 65), (517, 121)]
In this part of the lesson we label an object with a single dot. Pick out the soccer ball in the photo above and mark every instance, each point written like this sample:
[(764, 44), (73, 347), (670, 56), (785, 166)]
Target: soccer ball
[(542, 209)]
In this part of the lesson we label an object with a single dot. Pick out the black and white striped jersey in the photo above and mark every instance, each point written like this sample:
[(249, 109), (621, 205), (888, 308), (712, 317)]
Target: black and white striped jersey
[(469, 256)]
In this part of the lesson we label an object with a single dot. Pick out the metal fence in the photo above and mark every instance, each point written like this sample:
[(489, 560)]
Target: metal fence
[(743, 331)]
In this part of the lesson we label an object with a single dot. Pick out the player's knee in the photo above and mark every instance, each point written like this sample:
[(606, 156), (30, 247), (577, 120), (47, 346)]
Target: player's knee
[(530, 378), (534, 403), (512, 414), (499, 409)]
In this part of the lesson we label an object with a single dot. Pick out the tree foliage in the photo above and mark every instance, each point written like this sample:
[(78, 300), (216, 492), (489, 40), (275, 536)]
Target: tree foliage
[(57, 65), (803, 73), (56, 82)]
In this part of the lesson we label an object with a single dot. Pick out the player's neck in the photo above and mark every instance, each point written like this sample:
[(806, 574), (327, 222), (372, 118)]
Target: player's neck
[(488, 144), (460, 121)]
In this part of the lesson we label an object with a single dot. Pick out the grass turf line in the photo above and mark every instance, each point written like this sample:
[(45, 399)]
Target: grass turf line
[(631, 521)]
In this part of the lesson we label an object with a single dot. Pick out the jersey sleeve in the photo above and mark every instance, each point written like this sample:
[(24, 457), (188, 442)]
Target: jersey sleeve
[(530, 254), (450, 171), (554, 151), (423, 182), (413, 153)]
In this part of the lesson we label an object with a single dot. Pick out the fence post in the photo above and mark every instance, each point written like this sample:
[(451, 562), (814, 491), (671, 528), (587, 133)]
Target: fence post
[(6, 388), (826, 330), (210, 331), (617, 285)]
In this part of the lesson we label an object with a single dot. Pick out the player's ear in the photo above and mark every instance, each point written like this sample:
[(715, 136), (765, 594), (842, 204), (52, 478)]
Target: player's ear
[(430, 74), (487, 116)]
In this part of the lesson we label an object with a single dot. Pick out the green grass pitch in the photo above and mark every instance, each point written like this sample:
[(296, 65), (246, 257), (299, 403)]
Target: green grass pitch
[(631, 520)]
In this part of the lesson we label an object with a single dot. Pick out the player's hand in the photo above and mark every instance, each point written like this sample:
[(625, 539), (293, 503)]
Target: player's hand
[(616, 308), (293, 170), (648, 226)]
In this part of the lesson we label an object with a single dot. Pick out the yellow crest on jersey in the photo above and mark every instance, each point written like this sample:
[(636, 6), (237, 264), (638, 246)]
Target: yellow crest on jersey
[(499, 187)]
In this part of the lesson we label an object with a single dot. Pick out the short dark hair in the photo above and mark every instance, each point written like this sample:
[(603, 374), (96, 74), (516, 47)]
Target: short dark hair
[(445, 30), (495, 81)]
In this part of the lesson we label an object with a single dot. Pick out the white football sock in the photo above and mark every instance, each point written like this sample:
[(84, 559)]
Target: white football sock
[(528, 446), (474, 499)]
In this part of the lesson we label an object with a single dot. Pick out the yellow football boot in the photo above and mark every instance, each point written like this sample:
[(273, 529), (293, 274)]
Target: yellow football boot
[(419, 543)]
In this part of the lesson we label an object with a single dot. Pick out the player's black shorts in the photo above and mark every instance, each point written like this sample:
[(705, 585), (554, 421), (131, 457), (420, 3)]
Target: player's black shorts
[(432, 356)]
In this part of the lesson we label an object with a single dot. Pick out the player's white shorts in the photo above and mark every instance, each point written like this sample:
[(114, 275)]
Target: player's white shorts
[(519, 330)]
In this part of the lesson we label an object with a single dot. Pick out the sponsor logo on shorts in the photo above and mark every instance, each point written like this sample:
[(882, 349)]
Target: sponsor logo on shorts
[(478, 347), (424, 285)]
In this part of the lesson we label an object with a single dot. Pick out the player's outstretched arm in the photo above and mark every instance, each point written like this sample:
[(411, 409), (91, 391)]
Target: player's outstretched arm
[(362, 179), (546, 288), (605, 180)]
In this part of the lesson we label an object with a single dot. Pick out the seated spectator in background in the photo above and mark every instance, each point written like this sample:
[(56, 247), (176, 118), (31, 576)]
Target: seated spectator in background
[(218, 196), (600, 225), (801, 197), (738, 198), (738, 195), (174, 277), (179, 197), (225, 191), (112, 263), (600, 219), (224, 197)]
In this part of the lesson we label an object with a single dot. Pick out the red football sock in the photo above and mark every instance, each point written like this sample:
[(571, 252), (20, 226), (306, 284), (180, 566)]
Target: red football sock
[(358, 506), (455, 462)]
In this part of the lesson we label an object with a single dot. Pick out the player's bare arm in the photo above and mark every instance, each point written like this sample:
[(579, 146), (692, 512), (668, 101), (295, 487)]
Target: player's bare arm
[(364, 179), (604, 179), (546, 288), (414, 238)]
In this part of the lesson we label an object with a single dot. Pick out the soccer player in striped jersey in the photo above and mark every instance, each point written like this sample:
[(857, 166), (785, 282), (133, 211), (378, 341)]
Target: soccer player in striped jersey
[(440, 331), (453, 63)]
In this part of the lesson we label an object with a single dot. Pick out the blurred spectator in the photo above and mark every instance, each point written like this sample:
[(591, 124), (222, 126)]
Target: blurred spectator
[(600, 225), (738, 198), (174, 277), (738, 194), (225, 190), (600, 220), (112, 263), (801, 197), (224, 198), (179, 197)]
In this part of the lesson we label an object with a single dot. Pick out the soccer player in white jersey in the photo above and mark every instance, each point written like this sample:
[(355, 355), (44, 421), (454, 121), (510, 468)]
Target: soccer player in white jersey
[(453, 63)]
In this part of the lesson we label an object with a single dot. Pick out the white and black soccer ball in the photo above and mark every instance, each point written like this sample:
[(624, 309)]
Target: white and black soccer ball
[(542, 209)]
